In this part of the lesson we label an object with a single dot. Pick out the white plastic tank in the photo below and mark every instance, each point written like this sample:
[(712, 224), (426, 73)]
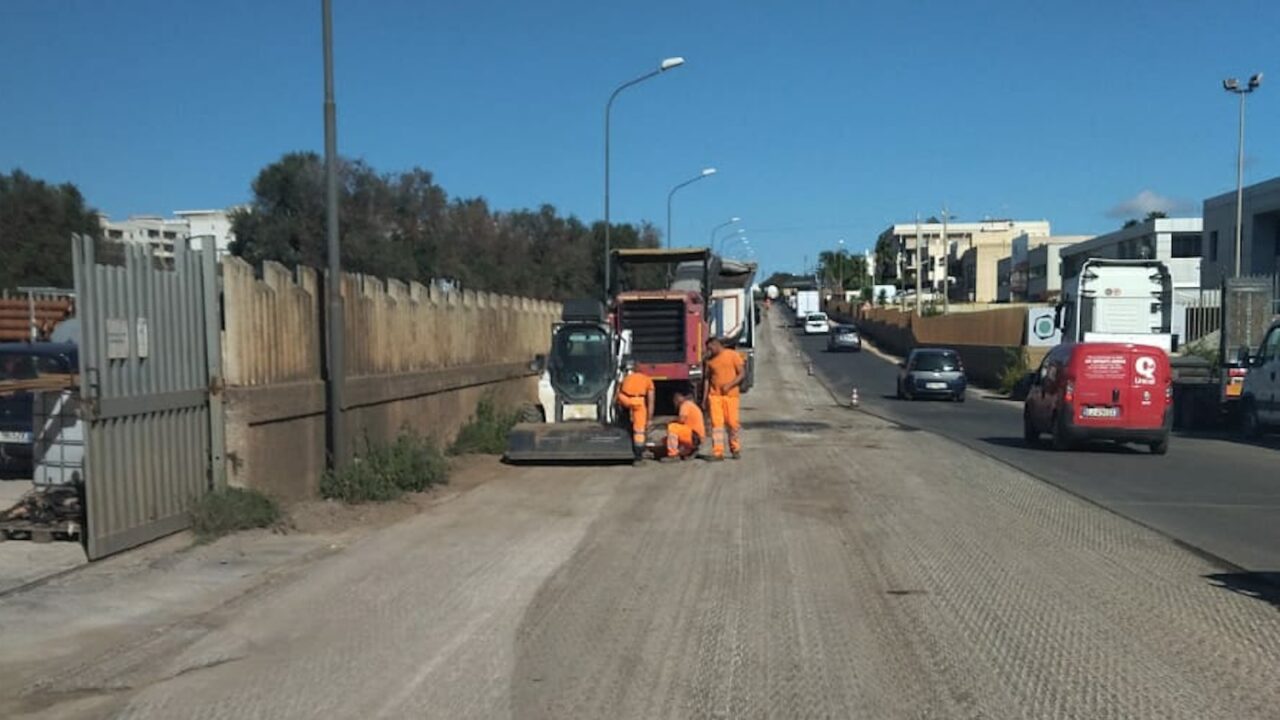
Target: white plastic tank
[(771, 292)]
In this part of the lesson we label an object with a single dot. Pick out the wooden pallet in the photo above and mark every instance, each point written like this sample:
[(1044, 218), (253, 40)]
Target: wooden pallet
[(34, 532)]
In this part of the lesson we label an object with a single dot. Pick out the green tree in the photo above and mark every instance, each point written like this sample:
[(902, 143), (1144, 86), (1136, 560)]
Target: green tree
[(37, 220), (404, 226), (1155, 215), (849, 270)]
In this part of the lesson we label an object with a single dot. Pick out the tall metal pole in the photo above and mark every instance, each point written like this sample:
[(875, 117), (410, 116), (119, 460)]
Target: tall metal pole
[(334, 373), (666, 65), (1240, 186), (919, 263), (946, 262), (704, 174)]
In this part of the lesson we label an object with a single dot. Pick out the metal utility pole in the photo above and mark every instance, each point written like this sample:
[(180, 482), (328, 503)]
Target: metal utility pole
[(668, 64), (946, 264), (919, 264), (334, 374), (1232, 85)]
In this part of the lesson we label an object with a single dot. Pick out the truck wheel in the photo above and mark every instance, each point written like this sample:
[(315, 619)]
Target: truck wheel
[(531, 414), (1060, 439), (1160, 447), (1030, 435), (1250, 425)]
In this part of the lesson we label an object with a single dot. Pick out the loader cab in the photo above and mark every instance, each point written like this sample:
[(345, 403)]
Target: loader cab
[(583, 366)]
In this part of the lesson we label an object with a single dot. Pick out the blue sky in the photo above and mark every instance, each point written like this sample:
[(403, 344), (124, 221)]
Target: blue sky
[(827, 120)]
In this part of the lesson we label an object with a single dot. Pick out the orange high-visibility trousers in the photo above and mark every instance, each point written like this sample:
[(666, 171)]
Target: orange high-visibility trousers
[(639, 410), (725, 424), (681, 440)]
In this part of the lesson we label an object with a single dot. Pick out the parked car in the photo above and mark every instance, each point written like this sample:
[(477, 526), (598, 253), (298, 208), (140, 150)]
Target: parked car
[(1260, 407), (1101, 391), (932, 372), (844, 337), (816, 324), (21, 362)]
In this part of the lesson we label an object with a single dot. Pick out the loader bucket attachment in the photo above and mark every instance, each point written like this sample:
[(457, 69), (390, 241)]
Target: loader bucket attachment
[(583, 441)]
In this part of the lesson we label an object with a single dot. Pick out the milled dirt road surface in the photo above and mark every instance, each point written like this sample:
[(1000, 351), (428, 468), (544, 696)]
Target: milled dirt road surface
[(845, 568)]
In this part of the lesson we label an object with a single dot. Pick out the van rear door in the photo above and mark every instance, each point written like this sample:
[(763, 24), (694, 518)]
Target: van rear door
[(1100, 384), (1149, 383)]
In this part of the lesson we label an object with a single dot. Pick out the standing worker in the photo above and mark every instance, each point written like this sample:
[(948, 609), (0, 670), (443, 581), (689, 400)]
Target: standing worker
[(725, 373), (635, 394), (684, 436)]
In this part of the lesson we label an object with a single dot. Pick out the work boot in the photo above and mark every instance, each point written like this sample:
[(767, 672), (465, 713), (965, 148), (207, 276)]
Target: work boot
[(637, 462), (737, 454)]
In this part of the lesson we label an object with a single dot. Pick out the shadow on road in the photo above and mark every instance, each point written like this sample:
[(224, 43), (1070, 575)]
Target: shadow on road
[(1267, 442), (1093, 447), (1264, 586)]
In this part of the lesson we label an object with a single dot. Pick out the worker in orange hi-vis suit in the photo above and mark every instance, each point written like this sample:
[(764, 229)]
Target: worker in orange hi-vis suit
[(635, 395), (684, 436), (725, 373)]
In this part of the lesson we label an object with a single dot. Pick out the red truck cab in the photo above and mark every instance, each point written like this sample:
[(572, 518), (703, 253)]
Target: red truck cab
[(1086, 391)]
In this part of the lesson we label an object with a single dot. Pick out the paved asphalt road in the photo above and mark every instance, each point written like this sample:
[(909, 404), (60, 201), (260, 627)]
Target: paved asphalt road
[(1216, 494)]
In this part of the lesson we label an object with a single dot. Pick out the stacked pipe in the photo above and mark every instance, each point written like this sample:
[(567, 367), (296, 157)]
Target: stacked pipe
[(16, 315)]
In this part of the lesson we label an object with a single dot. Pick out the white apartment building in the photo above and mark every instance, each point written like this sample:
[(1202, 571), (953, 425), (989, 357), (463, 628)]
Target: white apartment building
[(1174, 241), (989, 240), (162, 234)]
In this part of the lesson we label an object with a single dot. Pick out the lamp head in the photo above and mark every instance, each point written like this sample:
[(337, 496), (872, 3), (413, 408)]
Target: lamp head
[(670, 64)]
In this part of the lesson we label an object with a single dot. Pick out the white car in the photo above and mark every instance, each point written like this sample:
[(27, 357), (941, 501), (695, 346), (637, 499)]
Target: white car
[(816, 324)]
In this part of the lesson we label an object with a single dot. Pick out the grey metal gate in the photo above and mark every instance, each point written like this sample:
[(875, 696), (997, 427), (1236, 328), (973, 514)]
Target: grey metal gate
[(149, 358)]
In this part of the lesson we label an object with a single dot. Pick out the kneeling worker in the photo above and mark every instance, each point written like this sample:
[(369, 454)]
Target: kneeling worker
[(684, 436), (635, 395), (725, 373)]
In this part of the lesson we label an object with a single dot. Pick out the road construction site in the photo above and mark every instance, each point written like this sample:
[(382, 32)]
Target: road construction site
[(847, 566)]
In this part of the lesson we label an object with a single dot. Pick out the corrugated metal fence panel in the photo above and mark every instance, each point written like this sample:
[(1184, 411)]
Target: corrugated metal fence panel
[(145, 388)]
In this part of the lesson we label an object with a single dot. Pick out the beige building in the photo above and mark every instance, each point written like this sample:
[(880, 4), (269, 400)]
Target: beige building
[(942, 257)]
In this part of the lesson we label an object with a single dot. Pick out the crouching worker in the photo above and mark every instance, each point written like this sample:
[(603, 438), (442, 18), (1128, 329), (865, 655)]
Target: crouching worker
[(684, 436), (635, 395)]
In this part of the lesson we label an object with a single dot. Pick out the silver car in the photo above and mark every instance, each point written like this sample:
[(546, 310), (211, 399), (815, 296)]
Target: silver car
[(844, 337), (932, 372)]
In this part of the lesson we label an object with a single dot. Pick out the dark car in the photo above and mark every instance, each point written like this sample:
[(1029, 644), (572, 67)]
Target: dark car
[(844, 337), (932, 372), (21, 362)]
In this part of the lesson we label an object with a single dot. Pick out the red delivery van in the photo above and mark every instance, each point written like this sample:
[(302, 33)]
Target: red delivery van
[(1101, 391)]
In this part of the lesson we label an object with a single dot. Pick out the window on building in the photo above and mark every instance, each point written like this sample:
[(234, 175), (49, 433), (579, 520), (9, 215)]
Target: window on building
[(1213, 246), (1038, 272), (153, 233), (170, 235), (1186, 245), (115, 234)]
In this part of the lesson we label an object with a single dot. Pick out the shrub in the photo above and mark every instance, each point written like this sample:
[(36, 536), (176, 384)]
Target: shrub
[(385, 472), (486, 432), (1015, 369), (230, 510)]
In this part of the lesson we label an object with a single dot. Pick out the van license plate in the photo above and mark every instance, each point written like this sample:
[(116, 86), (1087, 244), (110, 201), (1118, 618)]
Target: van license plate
[(15, 437), (1101, 412), (935, 386)]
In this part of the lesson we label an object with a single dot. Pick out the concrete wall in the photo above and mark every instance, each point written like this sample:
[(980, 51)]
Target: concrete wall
[(415, 358), (983, 339), (276, 433), (1259, 239)]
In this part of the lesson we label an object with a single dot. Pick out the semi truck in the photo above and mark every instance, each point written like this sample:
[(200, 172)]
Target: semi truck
[(1109, 300)]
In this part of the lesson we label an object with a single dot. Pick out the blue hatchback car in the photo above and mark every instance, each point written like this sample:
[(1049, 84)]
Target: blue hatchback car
[(27, 361)]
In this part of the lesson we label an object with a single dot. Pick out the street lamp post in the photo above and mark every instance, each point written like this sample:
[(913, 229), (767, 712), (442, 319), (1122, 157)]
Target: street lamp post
[(1232, 85), (729, 241), (668, 64), (720, 227), (724, 241), (706, 172)]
